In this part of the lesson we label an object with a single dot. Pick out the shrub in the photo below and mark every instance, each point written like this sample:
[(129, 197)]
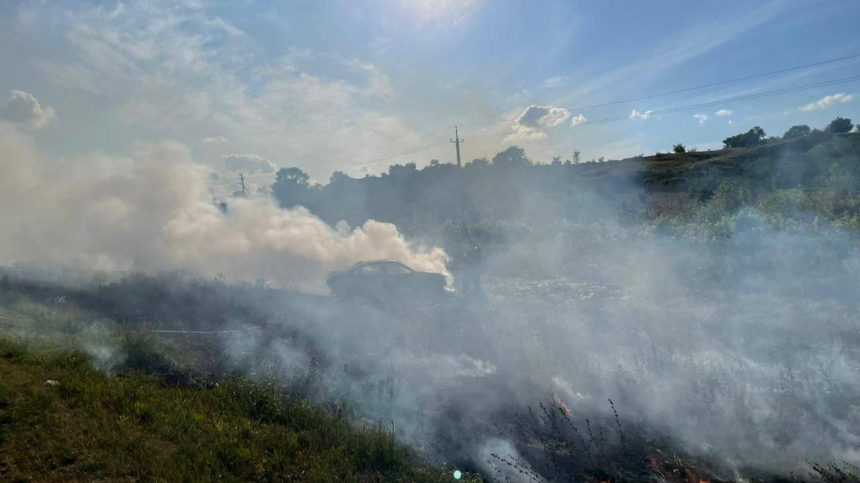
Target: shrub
[(840, 125), (753, 137), (797, 131)]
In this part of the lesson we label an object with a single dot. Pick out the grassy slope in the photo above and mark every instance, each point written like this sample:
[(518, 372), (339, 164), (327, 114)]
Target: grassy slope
[(673, 172), (95, 427)]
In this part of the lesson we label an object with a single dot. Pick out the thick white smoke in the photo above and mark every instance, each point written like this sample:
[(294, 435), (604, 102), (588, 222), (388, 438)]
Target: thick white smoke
[(154, 211)]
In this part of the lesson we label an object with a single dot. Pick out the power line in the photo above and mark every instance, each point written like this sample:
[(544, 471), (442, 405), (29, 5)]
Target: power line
[(715, 84), (651, 113), (422, 148), (626, 117), (425, 136), (688, 89), (704, 104), (759, 95)]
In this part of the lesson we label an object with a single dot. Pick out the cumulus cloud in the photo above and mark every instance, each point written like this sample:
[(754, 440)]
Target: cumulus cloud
[(828, 101), (535, 119), (577, 120), (249, 163), (640, 115), (723, 112), (701, 118), (23, 108), (215, 140)]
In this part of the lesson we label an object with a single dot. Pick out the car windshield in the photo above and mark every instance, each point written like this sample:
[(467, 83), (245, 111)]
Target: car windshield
[(397, 269), (374, 269)]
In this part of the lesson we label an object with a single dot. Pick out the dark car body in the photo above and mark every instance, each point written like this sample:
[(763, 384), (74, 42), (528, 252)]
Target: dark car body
[(386, 280)]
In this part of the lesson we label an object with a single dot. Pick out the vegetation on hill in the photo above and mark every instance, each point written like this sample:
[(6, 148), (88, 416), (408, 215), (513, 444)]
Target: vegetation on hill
[(512, 192)]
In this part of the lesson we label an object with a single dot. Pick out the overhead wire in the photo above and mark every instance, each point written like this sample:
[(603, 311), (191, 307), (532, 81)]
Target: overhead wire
[(632, 99)]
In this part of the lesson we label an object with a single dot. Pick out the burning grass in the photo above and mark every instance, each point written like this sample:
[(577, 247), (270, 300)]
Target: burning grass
[(146, 406)]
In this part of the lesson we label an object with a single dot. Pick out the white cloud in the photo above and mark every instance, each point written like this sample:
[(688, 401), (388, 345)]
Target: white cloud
[(640, 115), (534, 120), (554, 82), (177, 71), (215, 140), (577, 120), (723, 112), (24, 108), (828, 101), (248, 163), (701, 118)]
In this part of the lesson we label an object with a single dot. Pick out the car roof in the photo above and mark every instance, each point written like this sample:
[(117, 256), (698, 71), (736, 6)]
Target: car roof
[(377, 262)]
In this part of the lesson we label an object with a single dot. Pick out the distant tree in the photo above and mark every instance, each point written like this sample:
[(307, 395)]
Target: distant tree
[(402, 170), (556, 160), (291, 187), (679, 149), (338, 177), (292, 176), (478, 162), (576, 156), (839, 125), (513, 157), (753, 137), (797, 131)]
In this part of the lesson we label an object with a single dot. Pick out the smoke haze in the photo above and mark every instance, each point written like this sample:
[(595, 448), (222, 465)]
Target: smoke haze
[(743, 352), (153, 211)]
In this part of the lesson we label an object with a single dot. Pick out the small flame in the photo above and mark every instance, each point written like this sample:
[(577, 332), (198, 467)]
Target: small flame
[(562, 405)]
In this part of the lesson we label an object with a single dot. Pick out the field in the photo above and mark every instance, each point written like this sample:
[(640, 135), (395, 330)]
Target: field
[(61, 419), (533, 401)]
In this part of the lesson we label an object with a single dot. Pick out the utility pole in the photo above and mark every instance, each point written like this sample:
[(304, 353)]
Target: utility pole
[(457, 142), (242, 180)]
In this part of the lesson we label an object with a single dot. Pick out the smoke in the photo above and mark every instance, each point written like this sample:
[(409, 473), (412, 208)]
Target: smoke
[(153, 211), (743, 351)]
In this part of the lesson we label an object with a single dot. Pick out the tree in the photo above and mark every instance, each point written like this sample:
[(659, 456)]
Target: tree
[(292, 176), (797, 131), (478, 163), (556, 160), (513, 157), (338, 177), (839, 125), (402, 171), (576, 155), (679, 149), (753, 137), (291, 187)]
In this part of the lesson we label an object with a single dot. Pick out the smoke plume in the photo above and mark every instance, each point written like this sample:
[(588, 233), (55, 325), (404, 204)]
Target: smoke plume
[(154, 211)]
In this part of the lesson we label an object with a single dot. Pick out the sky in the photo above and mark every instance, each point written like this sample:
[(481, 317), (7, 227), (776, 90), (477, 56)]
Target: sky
[(253, 86)]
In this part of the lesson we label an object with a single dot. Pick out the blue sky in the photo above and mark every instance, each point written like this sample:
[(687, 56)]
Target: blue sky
[(356, 86)]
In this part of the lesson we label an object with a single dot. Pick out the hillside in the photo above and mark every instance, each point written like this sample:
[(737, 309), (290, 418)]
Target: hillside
[(514, 188)]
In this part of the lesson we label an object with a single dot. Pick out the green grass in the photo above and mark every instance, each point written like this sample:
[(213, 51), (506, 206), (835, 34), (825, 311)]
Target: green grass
[(141, 425), (135, 427)]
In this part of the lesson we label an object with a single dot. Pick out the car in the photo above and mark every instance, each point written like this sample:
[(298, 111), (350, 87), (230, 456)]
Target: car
[(386, 280)]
